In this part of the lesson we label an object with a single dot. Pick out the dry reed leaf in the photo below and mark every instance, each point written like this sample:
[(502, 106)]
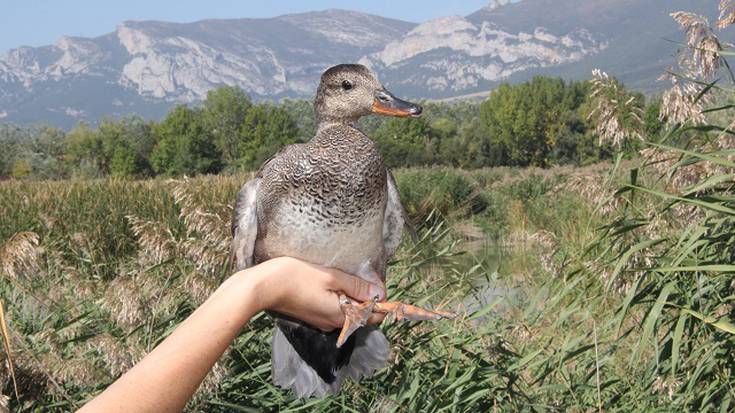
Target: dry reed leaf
[(6, 347)]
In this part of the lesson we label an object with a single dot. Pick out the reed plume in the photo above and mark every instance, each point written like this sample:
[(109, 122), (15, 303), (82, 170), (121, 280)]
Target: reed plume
[(18, 255), (701, 59), (727, 14), (617, 114), (4, 400)]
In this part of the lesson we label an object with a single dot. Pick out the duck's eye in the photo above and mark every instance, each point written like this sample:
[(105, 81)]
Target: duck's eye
[(346, 85)]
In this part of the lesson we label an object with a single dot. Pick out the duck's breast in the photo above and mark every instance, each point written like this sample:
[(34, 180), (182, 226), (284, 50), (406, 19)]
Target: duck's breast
[(328, 210)]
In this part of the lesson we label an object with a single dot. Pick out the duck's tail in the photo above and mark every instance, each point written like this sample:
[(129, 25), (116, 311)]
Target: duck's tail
[(308, 361)]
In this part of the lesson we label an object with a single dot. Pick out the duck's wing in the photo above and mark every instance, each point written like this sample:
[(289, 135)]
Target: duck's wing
[(395, 219), (245, 225)]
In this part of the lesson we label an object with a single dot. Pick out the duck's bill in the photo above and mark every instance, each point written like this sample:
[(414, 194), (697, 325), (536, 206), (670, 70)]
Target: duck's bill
[(387, 104)]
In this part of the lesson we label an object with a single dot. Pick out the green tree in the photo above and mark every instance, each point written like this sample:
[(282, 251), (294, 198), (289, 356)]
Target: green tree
[(523, 123), (407, 142), (224, 113), (83, 150), (265, 130), (184, 145), (11, 137), (117, 147), (44, 152), (302, 114)]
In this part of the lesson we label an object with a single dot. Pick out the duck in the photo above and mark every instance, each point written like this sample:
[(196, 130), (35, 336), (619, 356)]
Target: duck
[(330, 201)]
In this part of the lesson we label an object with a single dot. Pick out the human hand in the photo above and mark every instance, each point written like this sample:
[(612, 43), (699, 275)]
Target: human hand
[(309, 292)]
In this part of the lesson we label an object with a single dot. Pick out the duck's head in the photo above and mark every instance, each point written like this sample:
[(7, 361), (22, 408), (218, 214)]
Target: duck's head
[(349, 91)]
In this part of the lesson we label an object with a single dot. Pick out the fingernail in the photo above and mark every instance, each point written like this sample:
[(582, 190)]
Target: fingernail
[(376, 291)]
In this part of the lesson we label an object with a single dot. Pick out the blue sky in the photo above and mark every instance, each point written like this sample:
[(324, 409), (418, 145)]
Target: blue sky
[(40, 22)]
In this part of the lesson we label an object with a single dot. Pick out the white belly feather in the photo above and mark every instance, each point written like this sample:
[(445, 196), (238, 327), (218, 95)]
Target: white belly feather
[(300, 233)]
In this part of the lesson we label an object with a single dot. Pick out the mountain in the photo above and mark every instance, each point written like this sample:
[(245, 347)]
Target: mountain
[(145, 67), (511, 42)]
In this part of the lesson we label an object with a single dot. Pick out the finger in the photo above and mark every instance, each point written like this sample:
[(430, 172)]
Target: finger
[(356, 287)]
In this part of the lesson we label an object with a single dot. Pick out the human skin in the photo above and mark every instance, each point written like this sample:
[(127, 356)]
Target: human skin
[(168, 376)]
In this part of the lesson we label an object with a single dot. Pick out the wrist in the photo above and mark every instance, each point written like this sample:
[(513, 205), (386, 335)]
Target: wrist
[(261, 284), (241, 290)]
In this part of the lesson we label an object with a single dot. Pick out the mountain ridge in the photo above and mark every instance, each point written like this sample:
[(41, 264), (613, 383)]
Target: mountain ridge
[(147, 66)]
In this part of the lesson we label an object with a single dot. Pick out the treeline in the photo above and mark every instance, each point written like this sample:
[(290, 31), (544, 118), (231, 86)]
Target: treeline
[(542, 122)]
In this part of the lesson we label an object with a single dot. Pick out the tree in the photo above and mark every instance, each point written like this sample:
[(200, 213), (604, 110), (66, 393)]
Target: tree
[(224, 112), (83, 151), (44, 152), (11, 137), (265, 130), (524, 122), (117, 147), (407, 142), (184, 145)]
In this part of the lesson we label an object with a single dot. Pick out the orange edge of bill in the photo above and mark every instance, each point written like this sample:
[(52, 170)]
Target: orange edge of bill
[(382, 110)]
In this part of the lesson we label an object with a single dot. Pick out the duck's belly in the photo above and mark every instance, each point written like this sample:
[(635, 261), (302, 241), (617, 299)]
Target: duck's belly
[(354, 245)]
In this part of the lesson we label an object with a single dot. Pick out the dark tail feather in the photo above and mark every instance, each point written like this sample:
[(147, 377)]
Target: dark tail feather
[(308, 361)]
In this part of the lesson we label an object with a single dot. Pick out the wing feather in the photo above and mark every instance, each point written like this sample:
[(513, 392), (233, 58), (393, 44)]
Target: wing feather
[(245, 225), (395, 219)]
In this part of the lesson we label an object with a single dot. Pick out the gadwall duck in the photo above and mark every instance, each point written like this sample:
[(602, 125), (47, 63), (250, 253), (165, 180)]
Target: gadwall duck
[(332, 202)]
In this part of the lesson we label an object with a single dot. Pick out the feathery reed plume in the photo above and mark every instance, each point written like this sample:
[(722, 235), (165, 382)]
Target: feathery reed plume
[(123, 299), (665, 162), (209, 226), (592, 189), (727, 14), (666, 387), (617, 113), (682, 102), (207, 241), (19, 254), (155, 240), (78, 369), (118, 357), (549, 244), (701, 58)]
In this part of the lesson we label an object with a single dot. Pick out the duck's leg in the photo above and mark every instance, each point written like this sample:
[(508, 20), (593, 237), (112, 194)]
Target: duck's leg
[(356, 315), (408, 312)]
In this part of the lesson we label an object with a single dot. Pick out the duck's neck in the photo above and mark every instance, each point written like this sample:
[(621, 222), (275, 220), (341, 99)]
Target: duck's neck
[(325, 124)]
